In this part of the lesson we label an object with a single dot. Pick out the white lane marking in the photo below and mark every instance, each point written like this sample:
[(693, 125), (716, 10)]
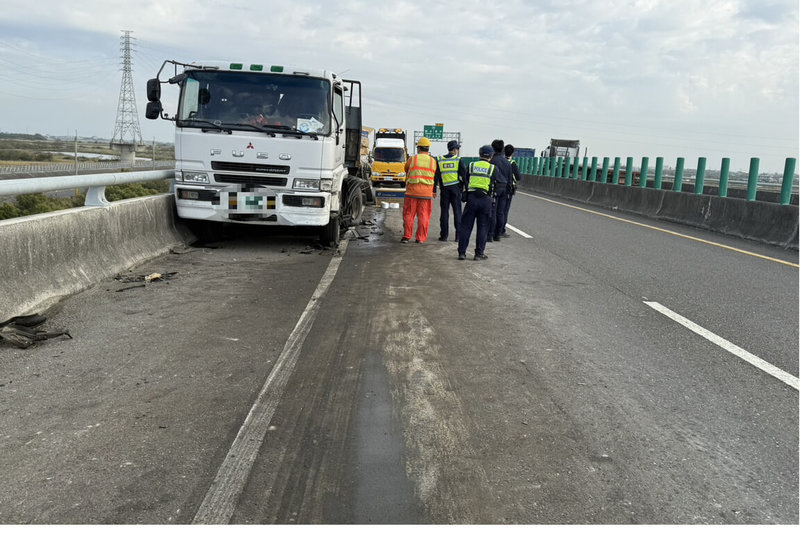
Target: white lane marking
[(512, 228), (743, 354), (219, 503)]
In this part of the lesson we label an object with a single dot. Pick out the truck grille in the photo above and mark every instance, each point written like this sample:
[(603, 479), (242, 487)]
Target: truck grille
[(250, 180), (250, 167)]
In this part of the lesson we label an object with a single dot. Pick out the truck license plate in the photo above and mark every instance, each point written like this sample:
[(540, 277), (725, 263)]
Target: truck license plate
[(246, 202)]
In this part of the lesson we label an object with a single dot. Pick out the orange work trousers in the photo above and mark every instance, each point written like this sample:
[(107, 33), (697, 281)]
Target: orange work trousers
[(420, 208)]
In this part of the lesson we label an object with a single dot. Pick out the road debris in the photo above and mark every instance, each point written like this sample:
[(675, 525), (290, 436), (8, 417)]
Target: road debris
[(143, 280), (23, 331)]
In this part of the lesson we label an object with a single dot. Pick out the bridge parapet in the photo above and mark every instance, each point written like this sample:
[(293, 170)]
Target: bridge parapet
[(47, 257)]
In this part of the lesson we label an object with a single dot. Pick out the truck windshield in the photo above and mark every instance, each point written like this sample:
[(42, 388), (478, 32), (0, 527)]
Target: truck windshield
[(244, 100), (389, 155)]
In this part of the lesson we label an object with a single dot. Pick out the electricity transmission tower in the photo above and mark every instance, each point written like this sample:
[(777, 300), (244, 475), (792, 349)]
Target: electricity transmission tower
[(126, 131)]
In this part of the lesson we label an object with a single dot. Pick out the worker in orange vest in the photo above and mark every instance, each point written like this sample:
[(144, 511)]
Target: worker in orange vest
[(420, 192)]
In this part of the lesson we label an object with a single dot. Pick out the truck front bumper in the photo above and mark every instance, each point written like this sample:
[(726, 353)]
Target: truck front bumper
[(253, 206)]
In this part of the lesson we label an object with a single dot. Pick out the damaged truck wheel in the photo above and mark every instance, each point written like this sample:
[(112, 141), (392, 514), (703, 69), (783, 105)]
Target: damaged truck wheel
[(330, 234)]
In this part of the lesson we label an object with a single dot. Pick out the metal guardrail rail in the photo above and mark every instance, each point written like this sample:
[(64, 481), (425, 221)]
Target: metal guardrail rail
[(96, 183), (42, 168)]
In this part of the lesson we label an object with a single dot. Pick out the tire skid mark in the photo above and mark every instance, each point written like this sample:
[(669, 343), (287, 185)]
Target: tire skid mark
[(435, 433)]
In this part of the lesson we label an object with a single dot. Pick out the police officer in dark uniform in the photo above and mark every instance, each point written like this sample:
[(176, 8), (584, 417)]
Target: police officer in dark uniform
[(480, 189), (503, 176), (451, 174), (515, 177)]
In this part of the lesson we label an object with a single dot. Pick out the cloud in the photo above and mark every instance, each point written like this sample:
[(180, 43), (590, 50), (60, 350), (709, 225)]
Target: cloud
[(611, 73)]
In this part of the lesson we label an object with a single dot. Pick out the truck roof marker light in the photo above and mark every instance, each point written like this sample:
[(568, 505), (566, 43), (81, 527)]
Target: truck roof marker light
[(236, 66), (276, 68), (257, 68)]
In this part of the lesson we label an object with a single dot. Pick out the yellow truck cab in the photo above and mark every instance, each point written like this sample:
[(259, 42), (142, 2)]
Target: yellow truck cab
[(389, 155)]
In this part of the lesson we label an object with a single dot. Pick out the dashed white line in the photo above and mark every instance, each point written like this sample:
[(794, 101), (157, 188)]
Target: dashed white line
[(512, 228), (743, 354), (219, 503)]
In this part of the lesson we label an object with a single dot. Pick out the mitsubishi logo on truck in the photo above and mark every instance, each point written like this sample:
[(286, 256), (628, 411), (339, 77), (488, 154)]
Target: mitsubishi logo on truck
[(250, 146)]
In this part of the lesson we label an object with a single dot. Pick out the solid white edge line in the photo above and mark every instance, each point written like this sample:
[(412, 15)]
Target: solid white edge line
[(220, 501), (741, 353), (512, 228)]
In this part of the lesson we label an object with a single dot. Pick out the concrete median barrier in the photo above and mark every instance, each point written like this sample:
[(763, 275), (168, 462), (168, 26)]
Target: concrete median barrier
[(766, 222), (47, 257)]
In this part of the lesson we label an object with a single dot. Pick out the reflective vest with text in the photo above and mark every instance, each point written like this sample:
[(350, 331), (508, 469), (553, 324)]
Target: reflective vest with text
[(480, 176), (448, 166)]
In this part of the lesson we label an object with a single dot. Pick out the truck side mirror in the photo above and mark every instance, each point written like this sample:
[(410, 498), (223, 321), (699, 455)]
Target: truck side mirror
[(153, 90), (153, 110)]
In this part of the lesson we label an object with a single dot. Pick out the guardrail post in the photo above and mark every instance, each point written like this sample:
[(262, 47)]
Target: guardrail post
[(724, 171), (629, 172), (585, 168), (700, 178), (593, 173), (604, 178), (659, 172), (752, 179), (788, 179), (677, 185), (575, 166), (565, 168), (615, 175), (96, 196), (557, 168), (643, 172)]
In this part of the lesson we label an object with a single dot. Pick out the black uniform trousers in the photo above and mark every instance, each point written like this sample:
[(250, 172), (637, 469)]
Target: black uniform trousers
[(478, 209), (450, 198), (497, 218)]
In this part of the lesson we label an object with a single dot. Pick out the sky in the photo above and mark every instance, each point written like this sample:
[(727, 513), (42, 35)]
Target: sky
[(628, 78)]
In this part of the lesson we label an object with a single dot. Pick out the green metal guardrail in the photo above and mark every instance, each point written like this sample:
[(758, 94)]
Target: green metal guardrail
[(560, 167)]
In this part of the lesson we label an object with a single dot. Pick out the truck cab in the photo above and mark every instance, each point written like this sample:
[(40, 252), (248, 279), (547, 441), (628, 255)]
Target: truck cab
[(265, 145), (389, 155)]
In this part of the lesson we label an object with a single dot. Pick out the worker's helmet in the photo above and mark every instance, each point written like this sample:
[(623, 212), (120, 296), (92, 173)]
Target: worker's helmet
[(486, 151), (424, 142)]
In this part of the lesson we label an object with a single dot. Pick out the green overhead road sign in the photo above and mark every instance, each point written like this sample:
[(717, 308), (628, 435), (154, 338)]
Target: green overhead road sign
[(433, 132)]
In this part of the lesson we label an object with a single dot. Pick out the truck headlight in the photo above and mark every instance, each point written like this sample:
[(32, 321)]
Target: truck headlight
[(306, 184), (401, 174), (376, 173), (326, 185), (195, 177)]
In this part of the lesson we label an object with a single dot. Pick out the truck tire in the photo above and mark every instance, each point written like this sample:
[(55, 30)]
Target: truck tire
[(206, 231), (330, 234), (357, 208)]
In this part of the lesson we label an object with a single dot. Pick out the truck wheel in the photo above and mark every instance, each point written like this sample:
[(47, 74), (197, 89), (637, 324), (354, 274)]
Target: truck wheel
[(330, 234), (357, 207), (206, 231)]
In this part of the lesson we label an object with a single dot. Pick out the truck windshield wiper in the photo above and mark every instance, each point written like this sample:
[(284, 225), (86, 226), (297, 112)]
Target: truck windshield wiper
[(216, 126), (294, 131)]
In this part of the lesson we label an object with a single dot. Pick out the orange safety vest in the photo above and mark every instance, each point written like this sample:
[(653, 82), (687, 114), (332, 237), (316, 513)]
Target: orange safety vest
[(419, 177)]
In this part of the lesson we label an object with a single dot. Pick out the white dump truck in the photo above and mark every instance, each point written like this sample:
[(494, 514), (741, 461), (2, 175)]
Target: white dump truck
[(265, 144)]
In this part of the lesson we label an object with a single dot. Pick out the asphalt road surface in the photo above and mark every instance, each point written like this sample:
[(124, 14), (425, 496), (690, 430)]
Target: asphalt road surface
[(596, 369)]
